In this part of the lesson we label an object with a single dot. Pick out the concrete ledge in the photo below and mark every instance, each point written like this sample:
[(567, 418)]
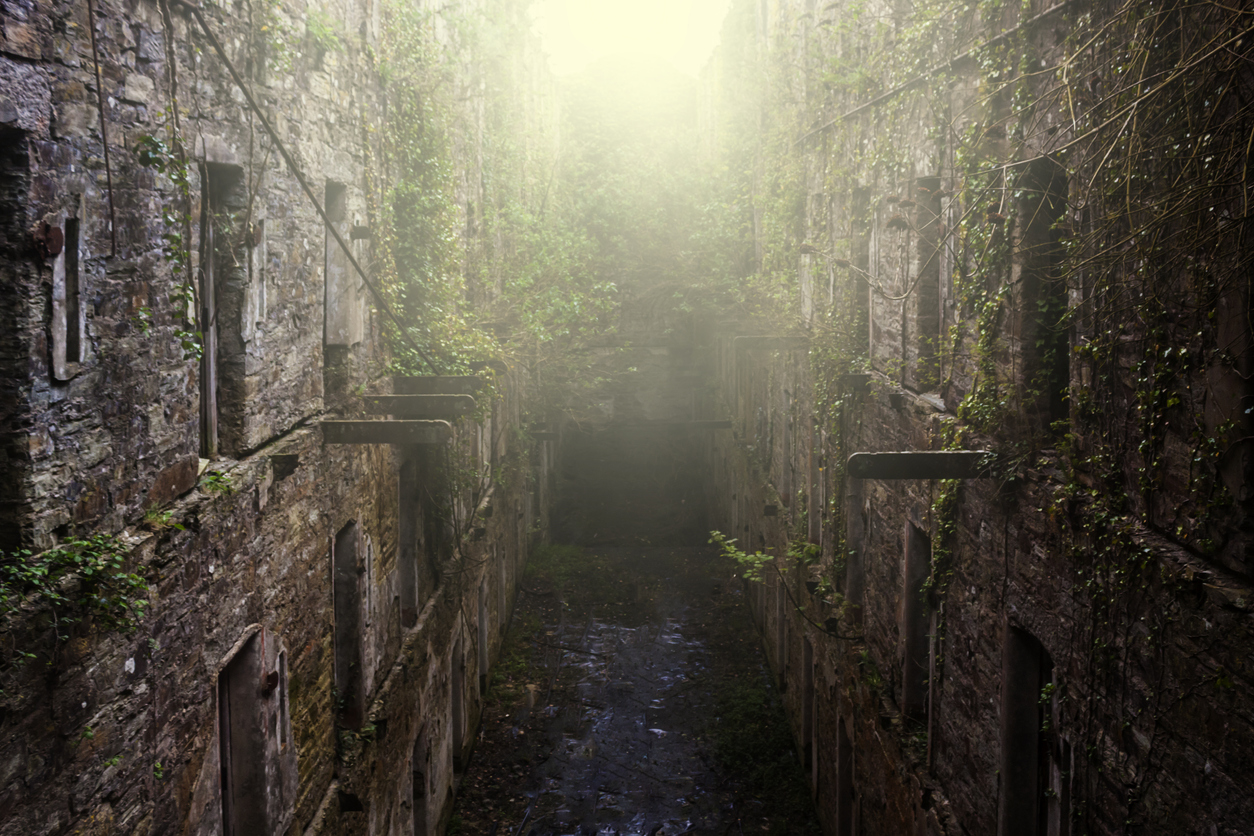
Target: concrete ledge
[(419, 406), (386, 432), (436, 385), (948, 464)]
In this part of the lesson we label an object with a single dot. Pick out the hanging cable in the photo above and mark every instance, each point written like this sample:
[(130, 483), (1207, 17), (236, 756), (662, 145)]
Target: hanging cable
[(104, 132)]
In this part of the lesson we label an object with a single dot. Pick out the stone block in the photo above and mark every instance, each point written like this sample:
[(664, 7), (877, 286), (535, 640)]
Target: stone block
[(138, 90), (21, 39), (173, 481), (74, 120)]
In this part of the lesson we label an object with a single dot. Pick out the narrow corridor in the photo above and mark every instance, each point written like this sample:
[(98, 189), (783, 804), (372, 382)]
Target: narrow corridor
[(631, 699)]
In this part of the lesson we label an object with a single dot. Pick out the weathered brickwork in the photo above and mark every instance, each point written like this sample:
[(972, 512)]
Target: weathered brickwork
[(1022, 653), (322, 617)]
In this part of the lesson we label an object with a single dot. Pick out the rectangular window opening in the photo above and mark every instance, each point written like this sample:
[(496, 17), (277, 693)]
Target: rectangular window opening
[(927, 293), (1026, 671), (73, 289), (410, 535), (66, 338), (349, 677), (241, 742), (915, 615), (1045, 334), (342, 325), (223, 279)]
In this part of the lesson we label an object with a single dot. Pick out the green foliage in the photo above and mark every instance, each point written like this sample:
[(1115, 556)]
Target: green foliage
[(870, 671), (558, 563), (752, 741), (156, 519), (419, 250), (752, 565), (217, 483), (81, 578), (323, 30)]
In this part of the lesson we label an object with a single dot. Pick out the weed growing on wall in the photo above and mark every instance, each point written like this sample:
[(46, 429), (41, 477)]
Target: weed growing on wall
[(83, 578)]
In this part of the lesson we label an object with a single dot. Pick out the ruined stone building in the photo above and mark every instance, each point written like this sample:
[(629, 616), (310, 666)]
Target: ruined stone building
[(324, 598), (271, 535), (1054, 638)]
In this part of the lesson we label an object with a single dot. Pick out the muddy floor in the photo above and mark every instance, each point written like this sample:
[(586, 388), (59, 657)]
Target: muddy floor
[(631, 699)]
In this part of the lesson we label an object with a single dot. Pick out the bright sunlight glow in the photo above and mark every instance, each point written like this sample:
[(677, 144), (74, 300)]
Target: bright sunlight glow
[(682, 33)]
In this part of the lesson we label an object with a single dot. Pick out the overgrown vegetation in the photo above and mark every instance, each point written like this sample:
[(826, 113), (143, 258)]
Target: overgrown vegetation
[(1084, 187), (504, 273), (84, 578), (753, 742)]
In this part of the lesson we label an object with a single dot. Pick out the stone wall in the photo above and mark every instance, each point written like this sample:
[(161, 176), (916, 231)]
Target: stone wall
[(273, 553), (1051, 648)]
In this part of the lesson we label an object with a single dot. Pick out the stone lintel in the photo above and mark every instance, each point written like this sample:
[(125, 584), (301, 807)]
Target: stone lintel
[(419, 406), (436, 385), (946, 464), (386, 432)]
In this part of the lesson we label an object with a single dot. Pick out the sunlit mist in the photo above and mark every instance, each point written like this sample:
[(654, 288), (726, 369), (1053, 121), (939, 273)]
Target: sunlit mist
[(682, 33)]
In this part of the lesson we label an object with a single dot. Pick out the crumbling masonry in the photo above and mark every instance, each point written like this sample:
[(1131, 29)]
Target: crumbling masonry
[(322, 614), (970, 238)]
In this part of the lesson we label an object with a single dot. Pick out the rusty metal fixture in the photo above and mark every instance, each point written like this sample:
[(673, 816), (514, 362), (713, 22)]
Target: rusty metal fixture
[(49, 239)]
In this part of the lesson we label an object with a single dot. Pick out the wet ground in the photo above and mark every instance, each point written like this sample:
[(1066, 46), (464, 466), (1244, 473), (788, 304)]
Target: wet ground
[(631, 700)]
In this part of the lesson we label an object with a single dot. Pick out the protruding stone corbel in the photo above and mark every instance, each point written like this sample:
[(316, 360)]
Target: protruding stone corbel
[(387, 432), (436, 385), (419, 406), (944, 464)]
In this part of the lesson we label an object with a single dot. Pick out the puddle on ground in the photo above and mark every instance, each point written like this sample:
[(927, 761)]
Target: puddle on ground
[(604, 717)]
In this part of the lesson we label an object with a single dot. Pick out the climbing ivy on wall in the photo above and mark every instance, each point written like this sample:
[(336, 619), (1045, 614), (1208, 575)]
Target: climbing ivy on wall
[(1094, 201), (482, 248)]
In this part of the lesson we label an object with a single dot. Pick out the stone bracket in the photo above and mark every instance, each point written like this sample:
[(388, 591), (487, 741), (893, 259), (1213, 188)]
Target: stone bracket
[(436, 385), (386, 432), (946, 464), (419, 406)]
